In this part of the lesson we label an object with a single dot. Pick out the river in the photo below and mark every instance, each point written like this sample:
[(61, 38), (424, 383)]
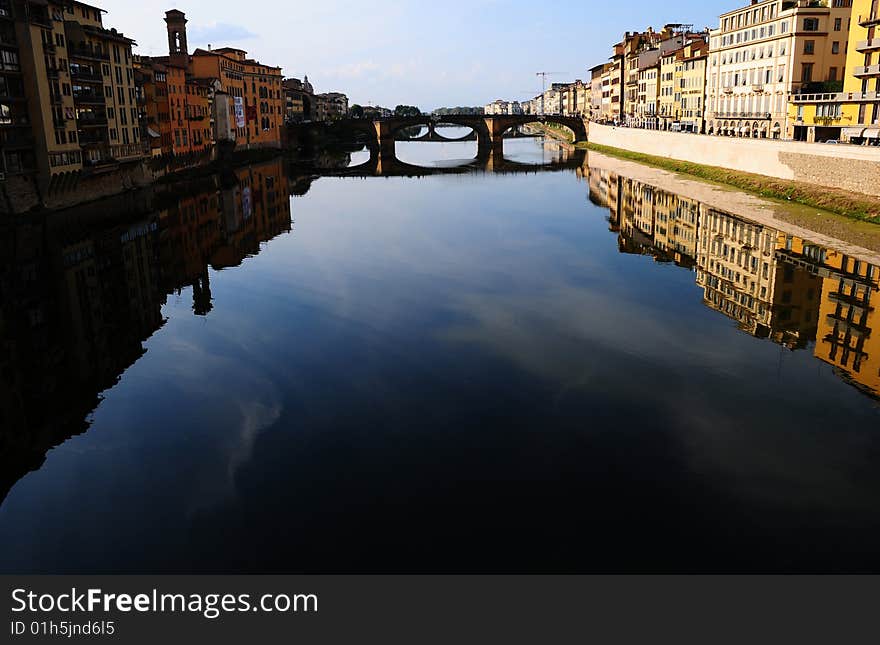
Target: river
[(570, 371)]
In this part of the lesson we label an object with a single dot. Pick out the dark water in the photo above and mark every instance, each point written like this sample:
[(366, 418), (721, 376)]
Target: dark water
[(554, 372)]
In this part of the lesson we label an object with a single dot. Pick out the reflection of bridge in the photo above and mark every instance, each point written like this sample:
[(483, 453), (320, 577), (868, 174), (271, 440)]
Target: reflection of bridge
[(381, 164), (488, 131), (432, 134)]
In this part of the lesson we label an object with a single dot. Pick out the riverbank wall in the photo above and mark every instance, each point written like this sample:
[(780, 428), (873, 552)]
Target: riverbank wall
[(851, 168), (22, 194)]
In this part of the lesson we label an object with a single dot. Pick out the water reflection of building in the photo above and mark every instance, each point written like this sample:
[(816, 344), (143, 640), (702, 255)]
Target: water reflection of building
[(846, 337), (81, 290), (775, 286), (845, 319), (737, 270), (650, 221)]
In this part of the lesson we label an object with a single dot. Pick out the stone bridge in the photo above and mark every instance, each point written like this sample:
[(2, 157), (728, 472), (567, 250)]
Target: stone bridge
[(382, 164), (489, 131)]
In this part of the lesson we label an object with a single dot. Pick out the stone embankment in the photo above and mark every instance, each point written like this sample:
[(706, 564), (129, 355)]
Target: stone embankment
[(850, 168)]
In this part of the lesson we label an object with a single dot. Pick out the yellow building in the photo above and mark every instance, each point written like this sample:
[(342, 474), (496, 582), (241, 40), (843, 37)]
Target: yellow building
[(852, 115), (765, 53), (847, 318), (80, 88), (670, 100), (690, 73)]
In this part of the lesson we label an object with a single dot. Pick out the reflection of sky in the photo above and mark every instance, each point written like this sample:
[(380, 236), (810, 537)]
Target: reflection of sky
[(412, 335), (436, 154)]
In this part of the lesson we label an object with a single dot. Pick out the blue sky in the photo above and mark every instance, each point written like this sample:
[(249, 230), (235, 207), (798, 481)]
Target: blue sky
[(428, 54)]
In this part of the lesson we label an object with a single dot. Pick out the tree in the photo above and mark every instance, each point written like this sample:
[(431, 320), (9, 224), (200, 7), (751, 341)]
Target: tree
[(407, 110), (357, 111)]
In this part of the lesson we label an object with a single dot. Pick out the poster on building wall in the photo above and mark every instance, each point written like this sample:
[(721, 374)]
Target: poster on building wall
[(239, 112), (246, 204)]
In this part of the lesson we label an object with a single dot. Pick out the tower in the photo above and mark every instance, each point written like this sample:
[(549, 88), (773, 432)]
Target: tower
[(177, 49)]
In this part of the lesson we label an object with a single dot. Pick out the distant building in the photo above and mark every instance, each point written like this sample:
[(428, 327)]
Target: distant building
[(299, 98), (503, 107), (331, 106), (596, 93)]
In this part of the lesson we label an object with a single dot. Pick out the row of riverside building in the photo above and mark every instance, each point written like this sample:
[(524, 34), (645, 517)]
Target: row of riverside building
[(76, 100), (806, 70)]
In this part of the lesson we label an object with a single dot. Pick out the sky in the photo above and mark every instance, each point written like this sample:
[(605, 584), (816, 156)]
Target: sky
[(429, 54)]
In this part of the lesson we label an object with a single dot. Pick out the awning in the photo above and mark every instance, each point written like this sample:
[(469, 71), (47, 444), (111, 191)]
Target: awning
[(745, 129), (871, 133), (776, 128), (851, 133), (153, 133)]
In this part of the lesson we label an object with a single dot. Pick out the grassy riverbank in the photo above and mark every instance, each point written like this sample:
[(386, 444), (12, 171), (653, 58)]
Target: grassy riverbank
[(855, 206)]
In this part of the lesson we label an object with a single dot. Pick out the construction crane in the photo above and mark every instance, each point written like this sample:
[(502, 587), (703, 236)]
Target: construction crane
[(544, 76)]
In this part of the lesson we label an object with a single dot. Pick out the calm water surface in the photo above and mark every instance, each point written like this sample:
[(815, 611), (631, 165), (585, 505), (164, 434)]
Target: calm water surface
[(561, 371)]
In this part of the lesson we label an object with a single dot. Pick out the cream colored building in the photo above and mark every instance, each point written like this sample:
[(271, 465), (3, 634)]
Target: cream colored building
[(736, 267), (649, 92), (764, 53), (690, 73)]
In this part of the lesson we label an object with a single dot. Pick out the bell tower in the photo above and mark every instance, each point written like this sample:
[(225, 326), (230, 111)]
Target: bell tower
[(177, 49)]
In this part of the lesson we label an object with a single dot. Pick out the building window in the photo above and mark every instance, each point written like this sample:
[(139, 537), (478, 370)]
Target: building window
[(835, 47), (809, 46), (9, 61), (838, 24), (811, 24), (807, 73)]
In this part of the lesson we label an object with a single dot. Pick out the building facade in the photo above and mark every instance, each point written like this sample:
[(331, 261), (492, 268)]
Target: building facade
[(690, 74), (331, 106), (764, 53), (852, 115), (299, 97), (78, 83), (17, 154)]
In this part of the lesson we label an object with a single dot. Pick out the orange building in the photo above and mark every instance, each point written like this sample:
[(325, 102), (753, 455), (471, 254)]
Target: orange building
[(246, 96), (153, 104), (255, 109)]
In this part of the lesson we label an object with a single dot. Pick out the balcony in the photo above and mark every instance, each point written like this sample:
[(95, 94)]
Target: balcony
[(85, 98), (836, 97), (847, 299), (16, 139), (870, 20), (93, 139), (86, 121), (868, 45), (751, 116), (870, 70), (727, 89), (827, 120), (49, 48), (52, 73), (86, 76), (758, 88), (84, 51)]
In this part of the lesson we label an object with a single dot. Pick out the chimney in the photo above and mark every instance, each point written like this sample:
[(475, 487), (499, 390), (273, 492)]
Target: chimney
[(177, 49)]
